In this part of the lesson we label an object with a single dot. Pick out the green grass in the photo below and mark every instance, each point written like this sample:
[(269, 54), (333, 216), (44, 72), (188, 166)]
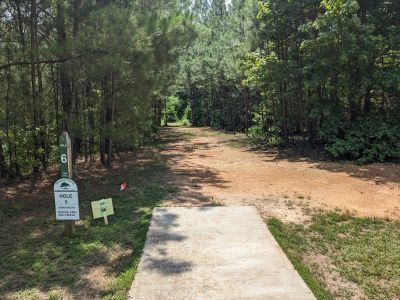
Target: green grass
[(179, 123), (292, 241), (8, 210), (38, 260), (364, 251)]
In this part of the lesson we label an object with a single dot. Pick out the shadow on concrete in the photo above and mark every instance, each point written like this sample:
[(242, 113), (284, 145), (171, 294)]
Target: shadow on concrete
[(158, 237)]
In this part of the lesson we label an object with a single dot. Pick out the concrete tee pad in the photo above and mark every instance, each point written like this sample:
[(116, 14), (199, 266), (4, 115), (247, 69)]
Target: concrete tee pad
[(214, 253)]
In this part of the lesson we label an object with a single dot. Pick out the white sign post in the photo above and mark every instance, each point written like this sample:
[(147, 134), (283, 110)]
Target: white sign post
[(66, 200)]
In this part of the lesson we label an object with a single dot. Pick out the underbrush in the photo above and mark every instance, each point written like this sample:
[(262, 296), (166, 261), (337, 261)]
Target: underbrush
[(370, 139), (99, 261)]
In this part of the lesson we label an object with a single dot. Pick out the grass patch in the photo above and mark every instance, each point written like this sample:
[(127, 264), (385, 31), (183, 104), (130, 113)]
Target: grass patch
[(9, 210), (179, 123), (364, 251), (291, 239), (39, 262)]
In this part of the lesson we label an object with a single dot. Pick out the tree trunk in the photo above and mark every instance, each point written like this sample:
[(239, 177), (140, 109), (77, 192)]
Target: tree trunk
[(103, 122), (3, 165), (34, 89), (65, 84), (111, 122)]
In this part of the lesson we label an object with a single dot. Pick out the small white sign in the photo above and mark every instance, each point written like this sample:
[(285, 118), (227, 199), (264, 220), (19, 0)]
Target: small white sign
[(66, 200)]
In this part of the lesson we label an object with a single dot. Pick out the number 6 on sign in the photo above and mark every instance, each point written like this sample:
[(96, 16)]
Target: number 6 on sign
[(65, 156)]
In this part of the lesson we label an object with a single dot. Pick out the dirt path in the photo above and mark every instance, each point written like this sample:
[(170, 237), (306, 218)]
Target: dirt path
[(208, 169)]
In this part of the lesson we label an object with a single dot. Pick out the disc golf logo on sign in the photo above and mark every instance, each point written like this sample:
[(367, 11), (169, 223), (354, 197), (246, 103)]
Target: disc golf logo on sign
[(102, 208), (66, 200)]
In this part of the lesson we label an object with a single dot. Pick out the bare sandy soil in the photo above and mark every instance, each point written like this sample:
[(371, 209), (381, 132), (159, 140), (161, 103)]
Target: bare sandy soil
[(208, 168)]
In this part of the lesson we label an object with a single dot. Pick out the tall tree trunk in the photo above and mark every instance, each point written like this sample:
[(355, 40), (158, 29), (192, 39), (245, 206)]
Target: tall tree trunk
[(3, 164), (34, 88), (65, 84), (103, 120), (44, 149), (110, 122), (10, 144), (284, 126), (76, 105), (91, 123)]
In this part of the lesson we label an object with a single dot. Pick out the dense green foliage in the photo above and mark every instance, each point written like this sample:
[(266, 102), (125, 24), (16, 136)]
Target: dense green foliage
[(176, 110), (99, 69), (368, 139), (327, 71), (210, 69)]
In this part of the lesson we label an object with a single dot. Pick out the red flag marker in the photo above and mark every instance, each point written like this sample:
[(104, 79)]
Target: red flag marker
[(123, 186)]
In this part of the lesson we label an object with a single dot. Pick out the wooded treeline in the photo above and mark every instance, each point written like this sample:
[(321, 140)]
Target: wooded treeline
[(99, 69), (326, 71)]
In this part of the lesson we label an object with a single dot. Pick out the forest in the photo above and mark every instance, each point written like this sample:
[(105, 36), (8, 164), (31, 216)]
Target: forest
[(113, 72)]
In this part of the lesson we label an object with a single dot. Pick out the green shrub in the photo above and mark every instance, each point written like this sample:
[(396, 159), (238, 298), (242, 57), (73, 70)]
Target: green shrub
[(263, 132), (171, 108), (369, 139), (331, 118), (185, 120)]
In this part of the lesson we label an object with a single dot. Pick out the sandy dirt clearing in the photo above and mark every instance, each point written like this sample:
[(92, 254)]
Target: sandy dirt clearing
[(207, 169)]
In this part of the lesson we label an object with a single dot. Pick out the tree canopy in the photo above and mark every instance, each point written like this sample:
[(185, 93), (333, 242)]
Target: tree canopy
[(108, 71), (325, 71)]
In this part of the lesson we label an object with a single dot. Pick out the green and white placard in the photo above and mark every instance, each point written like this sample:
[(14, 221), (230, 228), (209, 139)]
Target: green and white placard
[(66, 200), (102, 208)]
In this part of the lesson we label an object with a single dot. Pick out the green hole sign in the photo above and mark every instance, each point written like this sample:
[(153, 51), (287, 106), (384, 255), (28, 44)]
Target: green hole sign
[(102, 208)]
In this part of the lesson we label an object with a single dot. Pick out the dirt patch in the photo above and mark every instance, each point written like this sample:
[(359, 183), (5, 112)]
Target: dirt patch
[(206, 168), (210, 168), (326, 271)]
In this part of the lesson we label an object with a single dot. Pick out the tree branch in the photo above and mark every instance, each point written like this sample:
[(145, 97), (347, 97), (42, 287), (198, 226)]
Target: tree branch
[(51, 61)]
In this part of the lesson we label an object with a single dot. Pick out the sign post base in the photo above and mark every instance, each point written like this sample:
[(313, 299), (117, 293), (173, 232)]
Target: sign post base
[(69, 228)]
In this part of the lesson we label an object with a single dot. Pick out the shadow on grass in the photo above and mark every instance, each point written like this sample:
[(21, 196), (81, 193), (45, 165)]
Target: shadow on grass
[(38, 259), (191, 176)]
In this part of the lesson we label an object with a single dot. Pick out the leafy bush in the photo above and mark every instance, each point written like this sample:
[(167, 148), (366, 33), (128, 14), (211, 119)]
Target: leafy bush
[(187, 114), (263, 132), (172, 103), (369, 139), (178, 110), (331, 119)]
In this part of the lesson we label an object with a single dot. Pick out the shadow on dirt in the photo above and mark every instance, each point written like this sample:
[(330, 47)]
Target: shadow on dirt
[(380, 173)]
